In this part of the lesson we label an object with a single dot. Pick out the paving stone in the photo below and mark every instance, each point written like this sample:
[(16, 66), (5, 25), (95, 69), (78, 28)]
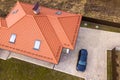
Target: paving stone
[(4, 54)]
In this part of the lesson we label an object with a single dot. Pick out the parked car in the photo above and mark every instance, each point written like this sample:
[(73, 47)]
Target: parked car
[(82, 60)]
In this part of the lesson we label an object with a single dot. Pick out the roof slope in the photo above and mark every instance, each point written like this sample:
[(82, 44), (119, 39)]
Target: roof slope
[(15, 15), (70, 26), (53, 31), (49, 33)]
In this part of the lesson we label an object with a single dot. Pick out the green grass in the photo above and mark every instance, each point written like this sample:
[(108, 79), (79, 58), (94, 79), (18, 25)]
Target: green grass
[(109, 65), (101, 27), (14, 69)]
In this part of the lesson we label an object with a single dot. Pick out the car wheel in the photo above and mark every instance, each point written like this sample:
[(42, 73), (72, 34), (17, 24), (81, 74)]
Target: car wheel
[(77, 69)]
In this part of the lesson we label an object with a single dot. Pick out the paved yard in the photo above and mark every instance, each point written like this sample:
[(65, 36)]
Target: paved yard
[(97, 43), (4, 54), (96, 69)]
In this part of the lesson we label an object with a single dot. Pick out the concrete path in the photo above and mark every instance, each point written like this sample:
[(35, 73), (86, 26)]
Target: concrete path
[(31, 60), (97, 42), (4, 54)]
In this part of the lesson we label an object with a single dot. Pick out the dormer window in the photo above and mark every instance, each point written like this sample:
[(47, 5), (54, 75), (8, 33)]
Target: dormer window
[(12, 38), (15, 11), (37, 45), (58, 12)]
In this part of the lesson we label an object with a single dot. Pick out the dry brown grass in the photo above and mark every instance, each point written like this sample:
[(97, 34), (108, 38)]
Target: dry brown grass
[(101, 9)]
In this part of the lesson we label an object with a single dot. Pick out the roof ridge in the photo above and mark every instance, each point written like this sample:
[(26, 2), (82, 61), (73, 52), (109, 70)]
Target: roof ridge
[(22, 6), (64, 30), (44, 37), (61, 27), (50, 23), (53, 29), (17, 21)]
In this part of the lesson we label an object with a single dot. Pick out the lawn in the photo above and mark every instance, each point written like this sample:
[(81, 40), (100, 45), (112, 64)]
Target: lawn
[(14, 69), (118, 64), (109, 65), (113, 65), (101, 27)]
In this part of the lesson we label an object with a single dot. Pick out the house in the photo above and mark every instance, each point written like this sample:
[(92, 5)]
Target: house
[(38, 32)]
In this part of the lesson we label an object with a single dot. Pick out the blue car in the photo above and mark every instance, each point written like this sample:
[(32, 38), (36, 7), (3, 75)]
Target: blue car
[(82, 60)]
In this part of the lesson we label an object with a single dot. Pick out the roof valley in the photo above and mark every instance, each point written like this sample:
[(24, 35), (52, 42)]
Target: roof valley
[(45, 39), (59, 30)]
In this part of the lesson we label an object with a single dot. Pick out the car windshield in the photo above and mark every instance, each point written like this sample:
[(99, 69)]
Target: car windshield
[(82, 63)]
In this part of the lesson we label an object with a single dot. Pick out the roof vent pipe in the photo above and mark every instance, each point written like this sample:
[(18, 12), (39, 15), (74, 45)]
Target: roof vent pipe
[(36, 8)]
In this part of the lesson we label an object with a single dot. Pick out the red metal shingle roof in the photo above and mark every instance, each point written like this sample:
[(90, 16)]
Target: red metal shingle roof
[(53, 31)]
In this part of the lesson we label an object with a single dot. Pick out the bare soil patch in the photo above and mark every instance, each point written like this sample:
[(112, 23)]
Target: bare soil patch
[(103, 9)]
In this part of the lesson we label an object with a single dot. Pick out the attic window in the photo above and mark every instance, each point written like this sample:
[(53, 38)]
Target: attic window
[(15, 11), (37, 45), (12, 38), (58, 12)]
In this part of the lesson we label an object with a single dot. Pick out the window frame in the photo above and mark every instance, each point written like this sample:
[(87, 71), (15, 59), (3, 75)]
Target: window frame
[(36, 45), (12, 38)]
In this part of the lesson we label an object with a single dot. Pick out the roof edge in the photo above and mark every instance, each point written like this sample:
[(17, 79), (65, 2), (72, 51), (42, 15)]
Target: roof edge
[(0, 21), (77, 30)]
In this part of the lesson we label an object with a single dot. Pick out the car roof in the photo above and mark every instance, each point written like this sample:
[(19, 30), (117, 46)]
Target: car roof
[(84, 54)]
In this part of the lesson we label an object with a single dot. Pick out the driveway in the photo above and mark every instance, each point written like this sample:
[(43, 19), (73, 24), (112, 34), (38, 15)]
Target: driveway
[(97, 42)]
